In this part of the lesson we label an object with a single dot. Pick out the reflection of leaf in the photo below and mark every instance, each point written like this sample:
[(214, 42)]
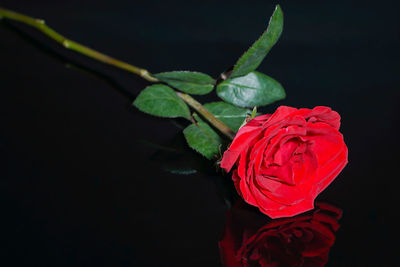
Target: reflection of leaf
[(253, 57), (181, 171), (254, 89), (232, 116), (177, 158), (160, 100), (175, 162), (194, 83), (202, 138), (157, 146)]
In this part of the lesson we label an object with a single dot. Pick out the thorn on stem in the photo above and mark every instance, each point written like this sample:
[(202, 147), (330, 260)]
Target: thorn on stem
[(65, 43), (40, 21), (143, 73), (192, 119)]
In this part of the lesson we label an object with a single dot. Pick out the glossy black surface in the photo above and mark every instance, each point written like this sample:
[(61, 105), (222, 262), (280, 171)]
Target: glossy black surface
[(79, 183)]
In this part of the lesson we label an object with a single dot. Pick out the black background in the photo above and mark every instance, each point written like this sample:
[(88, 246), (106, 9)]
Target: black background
[(78, 182)]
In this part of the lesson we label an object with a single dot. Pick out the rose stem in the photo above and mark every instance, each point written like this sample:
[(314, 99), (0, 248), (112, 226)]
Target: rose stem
[(206, 114), (69, 44), (40, 25)]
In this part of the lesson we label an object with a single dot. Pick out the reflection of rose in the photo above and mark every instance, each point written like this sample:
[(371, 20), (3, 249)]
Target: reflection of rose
[(302, 241), (282, 161)]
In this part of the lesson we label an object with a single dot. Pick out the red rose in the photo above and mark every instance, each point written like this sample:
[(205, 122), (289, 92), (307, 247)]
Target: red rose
[(252, 240), (284, 160)]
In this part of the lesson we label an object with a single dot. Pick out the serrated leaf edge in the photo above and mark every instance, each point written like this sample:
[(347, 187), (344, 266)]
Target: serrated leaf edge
[(186, 108), (252, 46), (187, 71)]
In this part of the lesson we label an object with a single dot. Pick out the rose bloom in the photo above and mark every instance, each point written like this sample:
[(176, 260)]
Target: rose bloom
[(282, 161), (302, 241)]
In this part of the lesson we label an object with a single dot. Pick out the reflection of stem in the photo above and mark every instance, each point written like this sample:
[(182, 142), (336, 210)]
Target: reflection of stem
[(206, 114), (69, 44), (41, 26)]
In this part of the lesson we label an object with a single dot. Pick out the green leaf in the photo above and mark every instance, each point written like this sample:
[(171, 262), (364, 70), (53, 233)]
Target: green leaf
[(160, 100), (194, 83), (254, 89), (202, 138), (253, 57), (232, 116)]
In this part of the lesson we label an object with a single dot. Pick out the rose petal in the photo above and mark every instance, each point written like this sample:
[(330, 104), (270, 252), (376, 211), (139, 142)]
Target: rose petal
[(242, 140), (321, 114), (286, 159)]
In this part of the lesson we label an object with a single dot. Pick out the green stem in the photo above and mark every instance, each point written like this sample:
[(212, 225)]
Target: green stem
[(206, 114), (69, 44)]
